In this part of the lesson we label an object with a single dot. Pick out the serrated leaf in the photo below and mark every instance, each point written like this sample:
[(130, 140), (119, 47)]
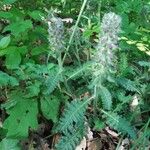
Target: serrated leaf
[(50, 108), (9, 1), (36, 14), (5, 79), (13, 59), (136, 5), (33, 89), (13, 56), (4, 42), (6, 15), (121, 124), (9, 144), (73, 113), (105, 97), (144, 63), (38, 50), (21, 117), (99, 124), (71, 140), (23, 27), (51, 82), (127, 84)]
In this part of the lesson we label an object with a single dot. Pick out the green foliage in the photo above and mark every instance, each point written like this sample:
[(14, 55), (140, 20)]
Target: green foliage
[(11, 144), (120, 124), (72, 125), (127, 84), (13, 56), (144, 63), (23, 115), (73, 113), (70, 140), (48, 109), (52, 81), (67, 86), (23, 27), (105, 97), (4, 42), (5, 80)]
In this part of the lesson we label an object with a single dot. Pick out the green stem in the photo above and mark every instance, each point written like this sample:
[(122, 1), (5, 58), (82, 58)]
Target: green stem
[(72, 35)]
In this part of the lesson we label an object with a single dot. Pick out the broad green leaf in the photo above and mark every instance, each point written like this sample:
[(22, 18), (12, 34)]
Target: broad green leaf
[(36, 14), (99, 124), (4, 42), (19, 27), (22, 50), (12, 100), (50, 108), (13, 56), (38, 50), (5, 79), (33, 89), (21, 117), (136, 5), (6, 15), (123, 6), (13, 59), (89, 31), (9, 1), (9, 144)]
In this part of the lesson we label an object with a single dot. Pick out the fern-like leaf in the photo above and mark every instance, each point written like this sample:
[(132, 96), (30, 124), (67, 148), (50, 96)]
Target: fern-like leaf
[(52, 82), (120, 124), (123, 65), (127, 84), (144, 63), (73, 113), (72, 139), (105, 97), (74, 73)]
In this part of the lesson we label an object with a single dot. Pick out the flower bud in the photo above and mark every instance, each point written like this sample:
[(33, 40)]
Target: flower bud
[(108, 42), (56, 31)]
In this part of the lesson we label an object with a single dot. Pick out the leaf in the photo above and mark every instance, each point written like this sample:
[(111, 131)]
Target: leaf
[(13, 59), (36, 14), (52, 81), (6, 15), (144, 63), (50, 108), (74, 73), (99, 125), (4, 42), (136, 5), (9, 144), (38, 50), (19, 27), (33, 89), (9, 1), (71, 140), (21, 117), (119, 123), (105, 97), (127, 84), (13, 56), (73, 113), (5, 79)]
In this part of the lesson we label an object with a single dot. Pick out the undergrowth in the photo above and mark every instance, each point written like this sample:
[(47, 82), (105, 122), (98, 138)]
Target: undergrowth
[(59, 60)]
